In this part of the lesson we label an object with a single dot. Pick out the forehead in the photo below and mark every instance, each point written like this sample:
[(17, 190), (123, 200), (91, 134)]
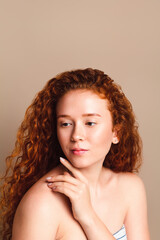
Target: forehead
[(81, 100)]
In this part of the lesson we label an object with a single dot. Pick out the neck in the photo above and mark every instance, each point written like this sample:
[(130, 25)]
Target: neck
[(94, 176)]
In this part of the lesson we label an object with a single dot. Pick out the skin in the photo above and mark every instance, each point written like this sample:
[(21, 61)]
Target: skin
[(83, 200)]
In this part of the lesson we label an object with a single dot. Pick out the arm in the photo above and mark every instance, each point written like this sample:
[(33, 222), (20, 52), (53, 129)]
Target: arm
[(33, 219), (94, 228), (136, 220)]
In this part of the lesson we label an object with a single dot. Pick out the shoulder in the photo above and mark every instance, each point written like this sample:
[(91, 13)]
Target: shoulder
[(39, 207), (40, 197), (126, 182), (130, 178), (132, 187), (131, 183)]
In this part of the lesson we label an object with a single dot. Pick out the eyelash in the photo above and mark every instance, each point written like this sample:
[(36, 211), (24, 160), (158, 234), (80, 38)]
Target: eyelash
[(89, 124), (65, 124)]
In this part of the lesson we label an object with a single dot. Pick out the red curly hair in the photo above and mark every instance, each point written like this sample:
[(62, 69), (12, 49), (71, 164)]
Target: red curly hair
[(37, 149)]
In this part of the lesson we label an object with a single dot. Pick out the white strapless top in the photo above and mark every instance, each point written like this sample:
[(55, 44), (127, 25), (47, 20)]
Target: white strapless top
[(121, 234)]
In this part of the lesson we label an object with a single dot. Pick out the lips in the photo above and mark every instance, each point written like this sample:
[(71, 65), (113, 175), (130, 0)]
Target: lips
[(78, 151)]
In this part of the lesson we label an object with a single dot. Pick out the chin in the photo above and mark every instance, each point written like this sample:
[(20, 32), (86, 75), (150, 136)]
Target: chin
[(78, 162), (79, 165)]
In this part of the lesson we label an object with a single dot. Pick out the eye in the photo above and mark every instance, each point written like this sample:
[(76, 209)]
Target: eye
[(65, 124), (91, 124)]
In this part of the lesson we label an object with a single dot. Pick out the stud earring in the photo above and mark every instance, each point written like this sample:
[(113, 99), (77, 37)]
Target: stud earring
[(115, 141)]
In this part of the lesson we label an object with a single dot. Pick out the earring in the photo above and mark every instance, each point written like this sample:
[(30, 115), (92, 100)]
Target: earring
[(115, 141)]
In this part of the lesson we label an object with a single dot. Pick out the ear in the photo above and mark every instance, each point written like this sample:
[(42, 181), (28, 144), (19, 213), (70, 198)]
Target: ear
[(115, 138)]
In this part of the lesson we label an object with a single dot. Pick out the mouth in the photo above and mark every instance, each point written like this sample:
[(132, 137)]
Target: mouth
[(78, 151)]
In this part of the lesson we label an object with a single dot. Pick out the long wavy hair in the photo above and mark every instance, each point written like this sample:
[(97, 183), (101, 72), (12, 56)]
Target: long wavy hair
[(37, 149)]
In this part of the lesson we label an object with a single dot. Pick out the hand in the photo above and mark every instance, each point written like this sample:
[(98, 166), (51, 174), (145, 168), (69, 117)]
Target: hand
[(75, 187)]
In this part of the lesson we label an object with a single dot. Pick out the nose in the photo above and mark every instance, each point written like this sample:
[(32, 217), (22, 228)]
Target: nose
[(78, 133)]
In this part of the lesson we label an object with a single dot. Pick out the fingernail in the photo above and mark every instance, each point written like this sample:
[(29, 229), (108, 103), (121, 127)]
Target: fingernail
[(48, 178), (49, 184), (62, 159)]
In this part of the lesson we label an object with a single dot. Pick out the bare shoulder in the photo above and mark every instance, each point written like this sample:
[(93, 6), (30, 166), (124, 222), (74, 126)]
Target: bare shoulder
[(131, 183), (40, 197), (126, 182), (130, 178), (39, 207)]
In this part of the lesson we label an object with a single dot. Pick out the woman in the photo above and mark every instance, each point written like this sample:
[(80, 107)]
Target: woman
[(75, 157)]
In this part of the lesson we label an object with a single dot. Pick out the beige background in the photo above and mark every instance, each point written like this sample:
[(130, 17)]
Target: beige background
[(42, 38)]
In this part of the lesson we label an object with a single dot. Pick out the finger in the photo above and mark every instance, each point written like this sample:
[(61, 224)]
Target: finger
[(73, 170), (65, 178), (51, 178), (61, 185), (67, 190), (67, 173)]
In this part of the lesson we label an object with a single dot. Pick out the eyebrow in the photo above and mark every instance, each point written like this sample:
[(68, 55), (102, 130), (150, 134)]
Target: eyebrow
[(83, 115)]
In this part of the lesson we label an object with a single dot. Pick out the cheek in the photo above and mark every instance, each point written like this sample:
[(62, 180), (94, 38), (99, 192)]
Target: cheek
[(62, 137), (103, 140), (103, 135)]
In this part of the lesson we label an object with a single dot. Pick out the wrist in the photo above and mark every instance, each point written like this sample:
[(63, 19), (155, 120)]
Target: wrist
[(94, 228), (88, 218)]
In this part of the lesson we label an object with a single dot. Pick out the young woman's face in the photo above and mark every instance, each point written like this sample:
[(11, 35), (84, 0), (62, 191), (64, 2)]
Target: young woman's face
[(84, 127)]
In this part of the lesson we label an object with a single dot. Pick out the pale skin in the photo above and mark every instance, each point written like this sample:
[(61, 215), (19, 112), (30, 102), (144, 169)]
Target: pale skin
[(83, 200)]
